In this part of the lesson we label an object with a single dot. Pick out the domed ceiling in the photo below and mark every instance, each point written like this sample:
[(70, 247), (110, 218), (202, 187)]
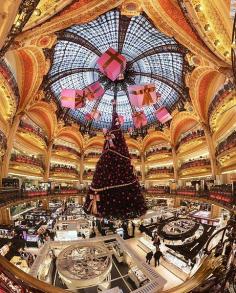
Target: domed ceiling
[(151, 57)]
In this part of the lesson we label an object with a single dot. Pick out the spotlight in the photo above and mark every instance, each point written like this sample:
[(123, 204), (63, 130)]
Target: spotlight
[(37, 12), (226, 53), (207, 27), (198, 7), (217, 42)]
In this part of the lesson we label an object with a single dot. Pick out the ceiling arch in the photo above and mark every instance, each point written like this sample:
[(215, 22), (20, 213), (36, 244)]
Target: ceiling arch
[(72, 134), (43, 115), (182, 122), (155, 138)]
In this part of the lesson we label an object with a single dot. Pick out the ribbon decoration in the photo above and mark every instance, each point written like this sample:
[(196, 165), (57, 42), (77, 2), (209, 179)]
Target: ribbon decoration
[(139, 119), (147, 98), (113, 57), (93, 203), (79, 100), (109, 141), (90, 93)]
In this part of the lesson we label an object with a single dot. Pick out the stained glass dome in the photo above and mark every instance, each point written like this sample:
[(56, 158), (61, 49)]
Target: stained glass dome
[(151, 57)]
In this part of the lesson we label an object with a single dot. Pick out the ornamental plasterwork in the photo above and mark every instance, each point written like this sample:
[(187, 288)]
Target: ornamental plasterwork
[(167, 23), (211, 27), (131, 8), (44, 10), (10, 108)]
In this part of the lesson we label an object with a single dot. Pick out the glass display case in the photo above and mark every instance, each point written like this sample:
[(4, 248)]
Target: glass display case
[(177, 260), (137, 276)]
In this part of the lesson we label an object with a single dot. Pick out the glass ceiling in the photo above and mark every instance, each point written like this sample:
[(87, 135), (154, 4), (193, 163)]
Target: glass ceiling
[(152, 58)]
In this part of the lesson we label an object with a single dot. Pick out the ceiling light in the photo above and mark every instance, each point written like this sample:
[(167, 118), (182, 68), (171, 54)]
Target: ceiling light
[(226, 53), (198, 7), (207, 27), (217, 42), (37, 12)]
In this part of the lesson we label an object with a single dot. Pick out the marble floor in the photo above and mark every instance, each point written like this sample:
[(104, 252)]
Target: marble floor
[(172, 280)]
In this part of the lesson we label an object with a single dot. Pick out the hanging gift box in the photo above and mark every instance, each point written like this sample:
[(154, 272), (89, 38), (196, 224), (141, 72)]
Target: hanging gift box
[(72, 99), (142, 95), (79, 99), (163, 115), (139, 119), (112, 64), (94, 91)]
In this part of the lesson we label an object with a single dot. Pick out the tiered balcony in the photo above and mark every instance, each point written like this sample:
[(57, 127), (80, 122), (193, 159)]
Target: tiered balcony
[(64, 171), (224, 100), (3, 143), (197, 167), (222, 193), (32, 135), (187, 190), (159, 154), (92, 157), (135, 157), (160, 173), (88, 174), (66, 151), (158, 190), (67, 190), (191, 142), (226, 153), (26, 165)]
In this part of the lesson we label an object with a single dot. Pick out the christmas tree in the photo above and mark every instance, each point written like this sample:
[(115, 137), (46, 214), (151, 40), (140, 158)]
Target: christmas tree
[(115, 192)]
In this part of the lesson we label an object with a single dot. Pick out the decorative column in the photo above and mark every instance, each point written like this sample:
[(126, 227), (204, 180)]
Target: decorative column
[(211, 149), (45, 204), (81, 169), (142, 156), (177, 202), (5, 217), (10, 143), (175, 163), (48, 160), (215, 211)]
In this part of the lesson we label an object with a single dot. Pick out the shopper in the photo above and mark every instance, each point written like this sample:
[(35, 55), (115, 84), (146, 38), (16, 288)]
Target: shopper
[(157, 255), (149, 256), (133, 227), (157, 241)]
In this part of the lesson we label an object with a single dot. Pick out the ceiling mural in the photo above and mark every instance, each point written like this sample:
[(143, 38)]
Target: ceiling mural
[(152, 58)]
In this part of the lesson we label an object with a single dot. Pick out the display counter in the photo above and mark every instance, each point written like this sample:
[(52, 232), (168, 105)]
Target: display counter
[(146, 245), (20, 263), (178, 260), (137, 276)]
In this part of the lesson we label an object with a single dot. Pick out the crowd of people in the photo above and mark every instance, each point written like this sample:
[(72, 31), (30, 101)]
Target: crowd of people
[(227, 144), (160, 170), (37, 130), (157, 150), (31, 160), (66, 148), (63, 168), (190, 136), (195, 163)]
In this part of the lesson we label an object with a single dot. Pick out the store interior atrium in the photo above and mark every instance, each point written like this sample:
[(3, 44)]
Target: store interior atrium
[(118, 146)]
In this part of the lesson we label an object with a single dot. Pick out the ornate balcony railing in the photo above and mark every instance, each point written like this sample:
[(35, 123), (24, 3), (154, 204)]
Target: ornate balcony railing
[(158, 151), (9, 77), (219, 97), (64, 169), (66, 148), (26, 160), (191, 136), (36, 130), (3, 143), (227, 144), (195, 163), (161, 170)]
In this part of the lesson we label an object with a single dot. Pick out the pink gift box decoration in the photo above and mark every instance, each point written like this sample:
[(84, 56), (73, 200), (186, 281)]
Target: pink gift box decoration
[(142, 95), (163, 115), (139, 119), (112, 64), (72, 99), (94, 91)]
